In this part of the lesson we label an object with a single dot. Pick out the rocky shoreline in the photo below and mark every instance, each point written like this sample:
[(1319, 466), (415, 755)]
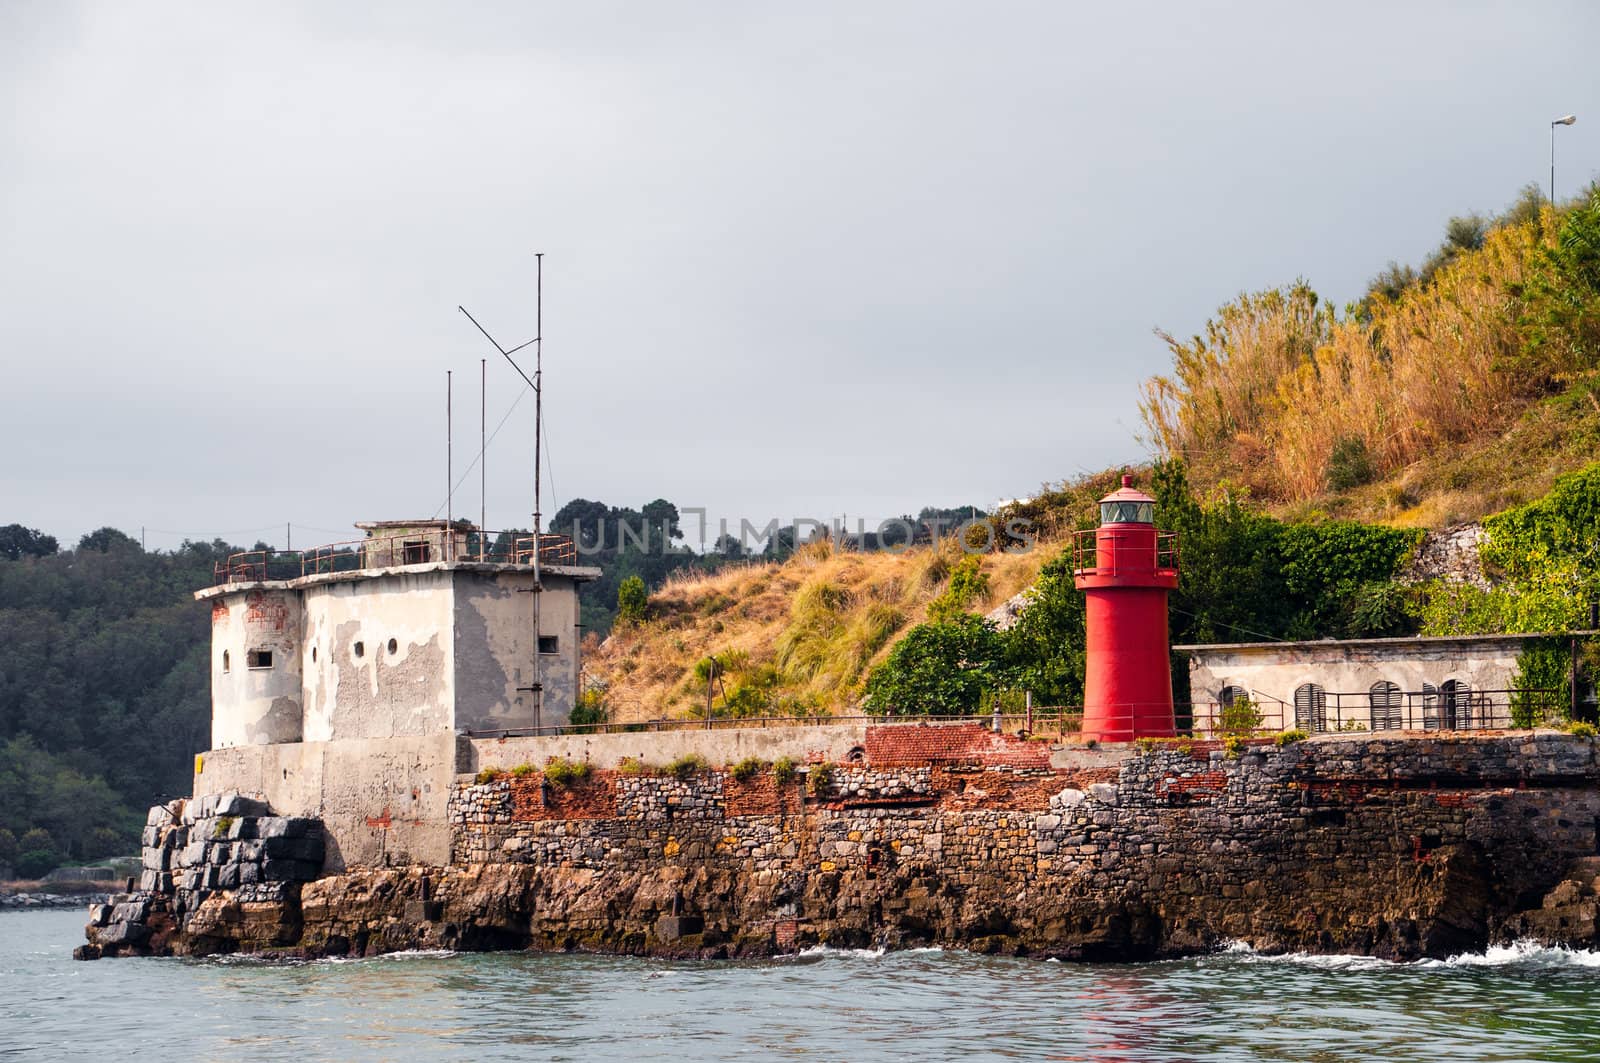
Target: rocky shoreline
[(49, 901)]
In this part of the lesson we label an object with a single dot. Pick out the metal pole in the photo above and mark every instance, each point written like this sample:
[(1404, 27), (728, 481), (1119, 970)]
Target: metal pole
[(449, 460), (483, 452), (1552, 164), (538, 445)]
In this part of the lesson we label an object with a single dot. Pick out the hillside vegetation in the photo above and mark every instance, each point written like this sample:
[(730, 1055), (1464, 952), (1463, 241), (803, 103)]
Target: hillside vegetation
[(1443, 395), (796, 637)]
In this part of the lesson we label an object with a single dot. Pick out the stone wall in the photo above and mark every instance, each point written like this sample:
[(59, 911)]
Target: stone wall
[(1400, 847)]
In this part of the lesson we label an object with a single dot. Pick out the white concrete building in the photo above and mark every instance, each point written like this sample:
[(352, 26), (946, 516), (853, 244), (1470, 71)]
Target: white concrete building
[(422, 628), (1387, 684)]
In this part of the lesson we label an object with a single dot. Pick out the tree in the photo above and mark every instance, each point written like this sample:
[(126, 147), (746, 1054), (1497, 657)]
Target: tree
[(17, 542), (940, 669), (632, 598), (37, 855), (108, 540)]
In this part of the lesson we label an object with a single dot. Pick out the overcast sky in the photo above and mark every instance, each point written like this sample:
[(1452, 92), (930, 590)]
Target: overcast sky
[(801, 260)]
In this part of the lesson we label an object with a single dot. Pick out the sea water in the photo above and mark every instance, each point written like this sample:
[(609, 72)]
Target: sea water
[(1519, 1003)]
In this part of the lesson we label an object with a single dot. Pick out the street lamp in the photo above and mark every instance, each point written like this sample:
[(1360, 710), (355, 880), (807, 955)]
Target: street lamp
[(1563, 120)]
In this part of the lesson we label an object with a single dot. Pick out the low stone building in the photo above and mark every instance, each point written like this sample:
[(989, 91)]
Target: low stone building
[(1387, 684)]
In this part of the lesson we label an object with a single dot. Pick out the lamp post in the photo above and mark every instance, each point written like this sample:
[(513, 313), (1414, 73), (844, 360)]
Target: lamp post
[(1564, 120)]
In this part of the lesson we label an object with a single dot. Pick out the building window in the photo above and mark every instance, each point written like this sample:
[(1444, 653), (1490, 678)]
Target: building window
[(1455, 705), (1311, 707), (1231, 695), (549, 644), (313, 655), (258, 659), (360, 649), (227, 664), (394, 647), (1430, 707), (415, 552), (1385, 699)]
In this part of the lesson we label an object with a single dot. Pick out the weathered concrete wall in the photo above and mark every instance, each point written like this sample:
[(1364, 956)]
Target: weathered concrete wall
[(255, 703), (377, 656), (495, 647), (382, 801), (833, 742), (1271, 673)]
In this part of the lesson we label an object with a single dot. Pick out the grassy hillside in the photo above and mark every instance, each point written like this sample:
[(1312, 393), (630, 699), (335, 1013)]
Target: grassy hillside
[(791, 638)]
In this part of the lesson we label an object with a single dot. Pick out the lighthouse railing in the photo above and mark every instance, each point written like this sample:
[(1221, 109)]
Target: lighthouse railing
[(1161, 557)]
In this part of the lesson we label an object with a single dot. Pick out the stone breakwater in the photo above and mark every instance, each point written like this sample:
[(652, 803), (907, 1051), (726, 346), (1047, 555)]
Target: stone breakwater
[(203, 861), (1397, 847)]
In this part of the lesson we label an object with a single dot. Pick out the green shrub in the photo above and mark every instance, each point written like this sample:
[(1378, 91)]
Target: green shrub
[(632, 600), (1581, 729), (784, 770), (8, 846), (821, 775), (1233, 745), (747, 768), (1350, 464), (590, 709), (563, 772), (1283, 738), (634, 766), (522, 771), (224, 825), (38, 854), (1240, 718), (488, 775), (687, 767)]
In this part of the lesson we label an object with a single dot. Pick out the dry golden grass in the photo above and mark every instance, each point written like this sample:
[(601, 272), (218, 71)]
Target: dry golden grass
[(811, 627), (1277, 381)]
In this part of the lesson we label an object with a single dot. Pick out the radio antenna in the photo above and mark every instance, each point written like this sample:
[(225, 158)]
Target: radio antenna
[(536, 383)]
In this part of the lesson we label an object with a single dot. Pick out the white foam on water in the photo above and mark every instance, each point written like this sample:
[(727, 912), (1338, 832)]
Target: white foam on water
[(1521, 954), (1527, 954)]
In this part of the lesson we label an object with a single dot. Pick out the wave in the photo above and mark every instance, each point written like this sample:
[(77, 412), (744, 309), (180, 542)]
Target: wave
[(1518, 954)]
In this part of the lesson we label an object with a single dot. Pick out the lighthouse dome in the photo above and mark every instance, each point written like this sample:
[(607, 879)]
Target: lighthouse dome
[(1127, 505)]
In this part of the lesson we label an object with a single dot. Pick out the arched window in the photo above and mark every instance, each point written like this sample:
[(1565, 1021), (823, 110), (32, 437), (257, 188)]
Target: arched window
[(1229, 695), (1455, 704), (1430, 707), (1311, 707), (227, 665), (1385, 699)]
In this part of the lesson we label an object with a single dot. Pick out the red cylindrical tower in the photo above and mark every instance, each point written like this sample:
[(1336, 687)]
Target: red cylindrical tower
[(1125, 567)]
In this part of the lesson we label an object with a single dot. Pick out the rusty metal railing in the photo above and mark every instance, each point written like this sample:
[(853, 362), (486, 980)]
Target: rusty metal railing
[(354, 555), (1488, 711)]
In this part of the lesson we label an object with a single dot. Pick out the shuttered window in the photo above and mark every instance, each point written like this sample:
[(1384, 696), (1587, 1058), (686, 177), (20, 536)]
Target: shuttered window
[(1311, 708), (1386, 712)]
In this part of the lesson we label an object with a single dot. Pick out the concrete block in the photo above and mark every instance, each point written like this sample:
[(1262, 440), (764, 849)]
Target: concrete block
[(233, 804), (123, 934), (673, 927)]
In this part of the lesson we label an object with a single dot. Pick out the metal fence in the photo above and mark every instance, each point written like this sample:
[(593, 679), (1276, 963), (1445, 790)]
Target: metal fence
[(1481, 710), (354, 555)]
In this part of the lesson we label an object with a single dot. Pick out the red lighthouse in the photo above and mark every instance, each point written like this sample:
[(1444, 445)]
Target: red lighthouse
[(1125, 567)]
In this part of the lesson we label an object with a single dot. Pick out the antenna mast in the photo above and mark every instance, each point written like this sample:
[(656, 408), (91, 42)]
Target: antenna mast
[(538, 453), (536, 382)]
